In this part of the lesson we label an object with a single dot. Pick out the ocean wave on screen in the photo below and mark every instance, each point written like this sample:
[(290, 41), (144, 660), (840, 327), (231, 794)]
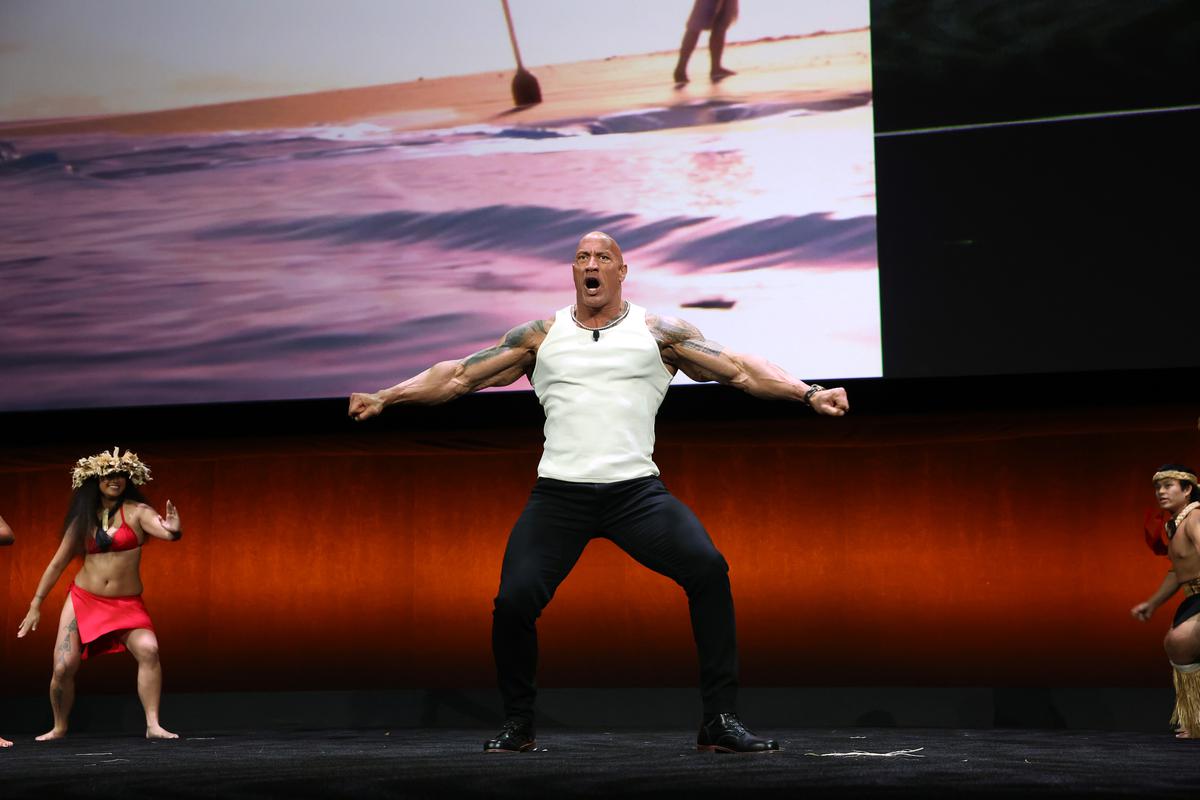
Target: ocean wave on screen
[(782, 241), (116, 157), (107, 157), (239, 360), (537, 230), (577, 132), (710, 112), (549, 232)]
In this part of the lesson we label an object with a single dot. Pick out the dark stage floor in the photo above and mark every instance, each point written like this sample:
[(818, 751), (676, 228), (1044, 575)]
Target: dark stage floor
[(571, 762)]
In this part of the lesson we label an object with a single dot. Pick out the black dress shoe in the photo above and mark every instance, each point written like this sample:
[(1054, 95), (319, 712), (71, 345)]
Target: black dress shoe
[(515, 736), (725, 733)]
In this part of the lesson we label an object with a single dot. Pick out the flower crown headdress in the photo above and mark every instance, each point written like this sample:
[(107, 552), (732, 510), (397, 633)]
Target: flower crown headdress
[(106, 463)]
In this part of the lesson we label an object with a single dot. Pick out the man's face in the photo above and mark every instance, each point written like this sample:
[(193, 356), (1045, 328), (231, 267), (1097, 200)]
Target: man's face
[(598, 271), (1170, 494)]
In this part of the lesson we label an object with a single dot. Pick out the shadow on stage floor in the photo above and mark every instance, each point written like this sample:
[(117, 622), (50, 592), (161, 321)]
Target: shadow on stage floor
[(850, 762)]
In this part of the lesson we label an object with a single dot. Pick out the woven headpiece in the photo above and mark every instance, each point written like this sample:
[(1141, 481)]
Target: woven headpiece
[(106, 463), (1178, 475)]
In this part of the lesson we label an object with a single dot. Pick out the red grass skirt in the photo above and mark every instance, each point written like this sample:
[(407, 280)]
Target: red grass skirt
[(103, 620)]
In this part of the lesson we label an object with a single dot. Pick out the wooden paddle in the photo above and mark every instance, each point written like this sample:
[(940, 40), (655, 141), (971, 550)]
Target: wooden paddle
[(525, 89)]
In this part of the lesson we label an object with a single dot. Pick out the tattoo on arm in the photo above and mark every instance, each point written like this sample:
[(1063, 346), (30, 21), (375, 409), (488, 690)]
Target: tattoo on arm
[(703, 346), (482, 355), (512, 340), (678, 340), (671, 330)]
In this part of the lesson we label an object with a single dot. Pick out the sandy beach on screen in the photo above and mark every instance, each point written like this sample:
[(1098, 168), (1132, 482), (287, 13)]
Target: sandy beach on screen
[(817, 67)]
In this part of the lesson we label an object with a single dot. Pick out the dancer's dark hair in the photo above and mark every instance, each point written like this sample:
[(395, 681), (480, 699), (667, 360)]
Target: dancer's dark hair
[(81, 519)]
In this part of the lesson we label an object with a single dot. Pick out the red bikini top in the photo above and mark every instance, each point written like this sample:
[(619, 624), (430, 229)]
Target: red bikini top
[(123, 538)]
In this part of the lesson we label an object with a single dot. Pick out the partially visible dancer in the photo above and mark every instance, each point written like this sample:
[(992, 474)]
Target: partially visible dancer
[(1175, 488), (714, 16), (107, 523), (6, 537)]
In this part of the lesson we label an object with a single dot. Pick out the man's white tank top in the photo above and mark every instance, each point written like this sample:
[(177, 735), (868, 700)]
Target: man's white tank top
[(600, 397)]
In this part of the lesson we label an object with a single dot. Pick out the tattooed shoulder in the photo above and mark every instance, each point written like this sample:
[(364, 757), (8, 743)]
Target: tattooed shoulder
[(672, 330), (528, 335)]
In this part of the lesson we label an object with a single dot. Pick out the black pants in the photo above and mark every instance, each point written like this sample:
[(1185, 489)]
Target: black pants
[(642, 518)]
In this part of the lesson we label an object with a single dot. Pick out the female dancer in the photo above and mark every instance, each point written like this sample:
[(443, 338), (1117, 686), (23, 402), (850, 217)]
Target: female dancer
[(108, 521), (6, 537)]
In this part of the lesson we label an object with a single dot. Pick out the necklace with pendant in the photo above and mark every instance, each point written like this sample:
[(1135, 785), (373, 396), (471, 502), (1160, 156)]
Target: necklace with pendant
[(103, 538), (596, 331)]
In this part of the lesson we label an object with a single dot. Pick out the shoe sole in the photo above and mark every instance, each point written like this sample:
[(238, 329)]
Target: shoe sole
[(712, 748), (524, 749)]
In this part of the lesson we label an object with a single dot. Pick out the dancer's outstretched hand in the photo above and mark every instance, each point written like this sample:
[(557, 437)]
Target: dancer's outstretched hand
[(30, 623), (171, 521)]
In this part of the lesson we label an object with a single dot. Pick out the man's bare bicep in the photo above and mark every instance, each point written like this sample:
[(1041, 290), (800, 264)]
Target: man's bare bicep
[(519, 339), (700, 347), (684, 347), (503, 363)]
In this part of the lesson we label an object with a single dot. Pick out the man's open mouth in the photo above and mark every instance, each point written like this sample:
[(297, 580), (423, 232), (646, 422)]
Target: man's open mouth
[(591, 283)]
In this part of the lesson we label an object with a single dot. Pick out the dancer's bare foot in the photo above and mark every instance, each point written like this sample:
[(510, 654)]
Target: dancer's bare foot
[(5, 742), (720, 73), (52, 735), (159, 732), (680, 77)]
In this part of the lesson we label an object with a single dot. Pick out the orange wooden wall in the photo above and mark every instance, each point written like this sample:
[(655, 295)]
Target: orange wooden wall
[(941, 549)]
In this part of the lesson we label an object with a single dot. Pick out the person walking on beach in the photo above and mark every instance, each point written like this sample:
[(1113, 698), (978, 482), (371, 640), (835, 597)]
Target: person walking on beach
[(600, 368), (714, 16)]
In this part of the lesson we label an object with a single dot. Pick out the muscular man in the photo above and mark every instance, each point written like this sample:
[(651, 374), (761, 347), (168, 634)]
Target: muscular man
[(1176, 491), (600, 369)]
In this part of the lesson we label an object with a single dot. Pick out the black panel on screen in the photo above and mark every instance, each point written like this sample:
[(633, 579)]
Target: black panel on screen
[(1038, 249), (952, 62), (1049, 246)]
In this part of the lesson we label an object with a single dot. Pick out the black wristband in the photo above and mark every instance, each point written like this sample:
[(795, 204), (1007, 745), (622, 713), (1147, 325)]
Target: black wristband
[(813, 388)]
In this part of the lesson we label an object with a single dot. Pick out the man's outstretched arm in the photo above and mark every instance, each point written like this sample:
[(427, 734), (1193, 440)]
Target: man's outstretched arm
[(686, 349), (499, 365)]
